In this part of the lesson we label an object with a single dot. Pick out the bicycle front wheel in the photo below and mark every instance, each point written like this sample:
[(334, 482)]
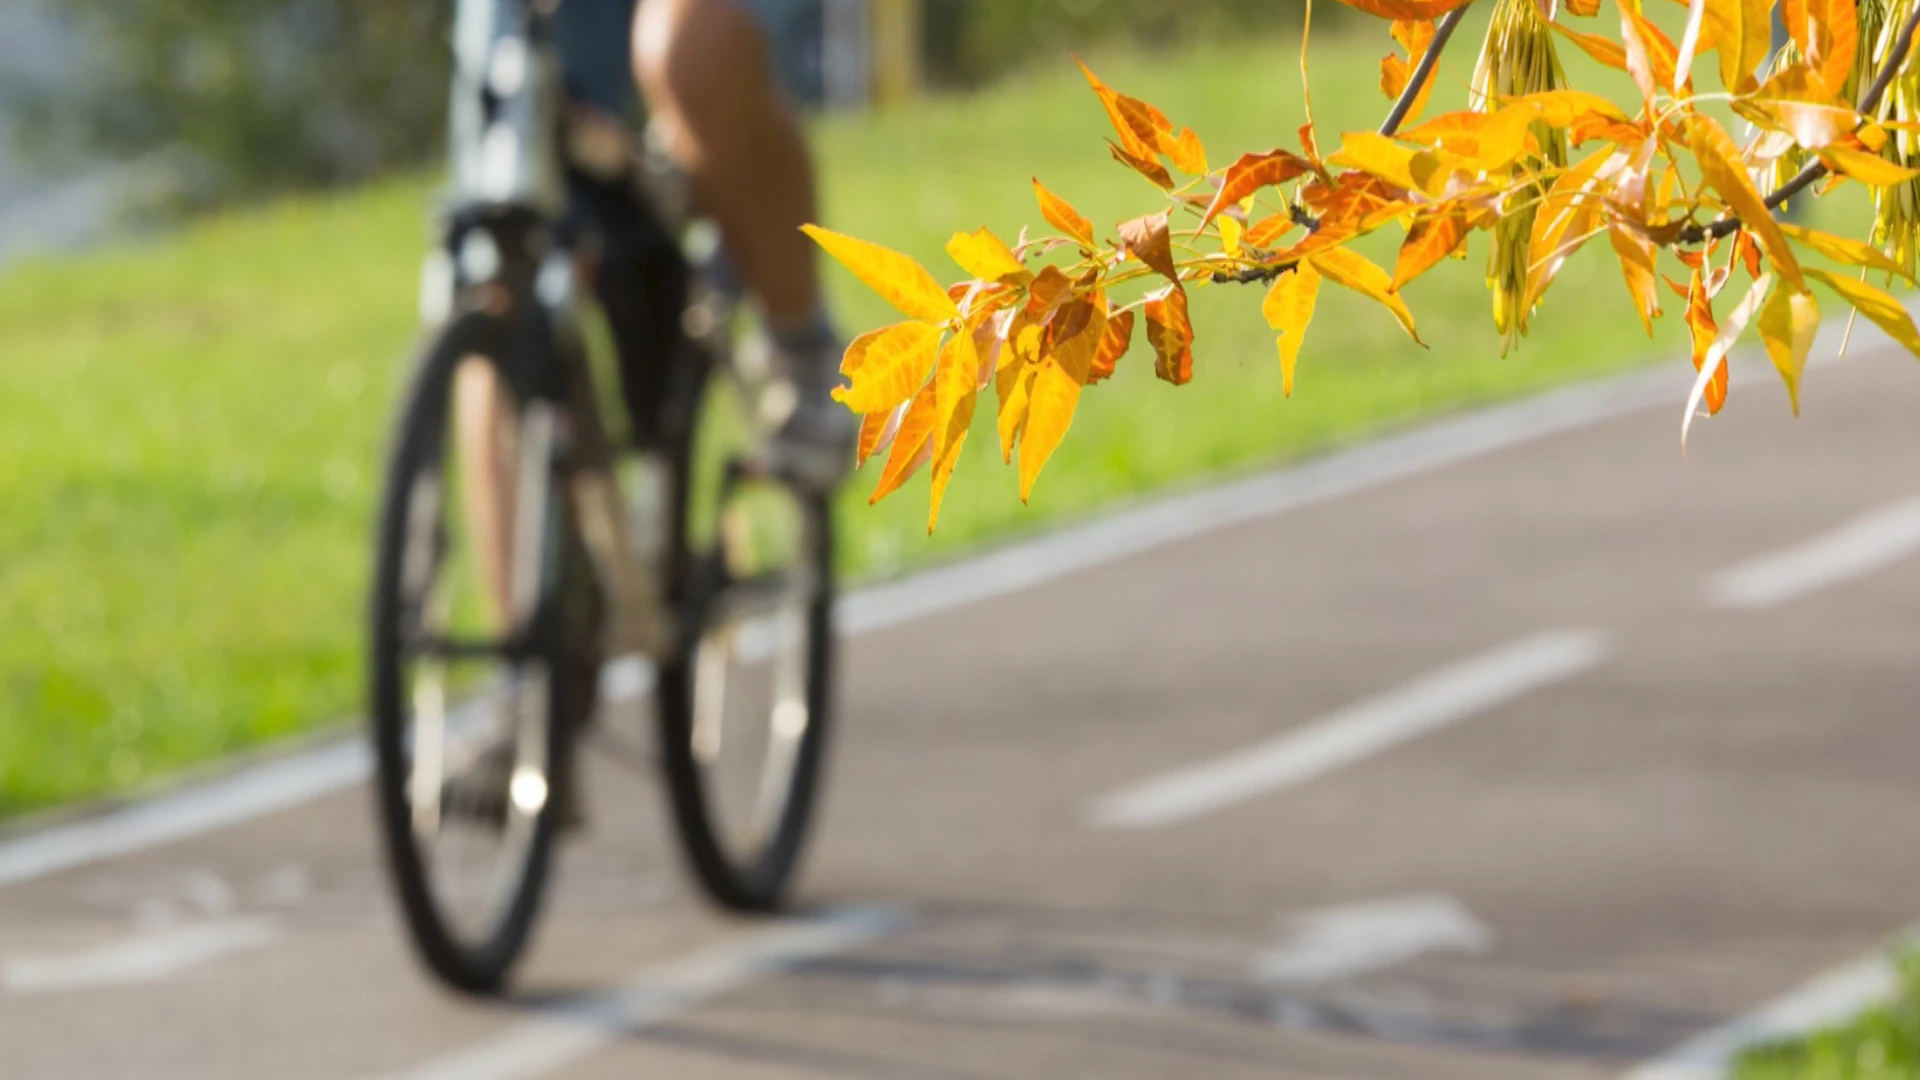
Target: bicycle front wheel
[(477, 663)]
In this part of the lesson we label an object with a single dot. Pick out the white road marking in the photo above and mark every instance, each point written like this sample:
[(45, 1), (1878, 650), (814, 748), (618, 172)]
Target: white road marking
[(1356, 939), (577, 1029), (1868, 543), (1829, 1000), (1354, 733), (296, 779), (144, 958)]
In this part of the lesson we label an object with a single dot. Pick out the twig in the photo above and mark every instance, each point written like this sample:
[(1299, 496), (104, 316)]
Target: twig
[(1815, 169), (1423, 70)]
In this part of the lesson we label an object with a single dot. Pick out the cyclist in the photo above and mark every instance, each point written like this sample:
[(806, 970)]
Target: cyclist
[(705, 71)]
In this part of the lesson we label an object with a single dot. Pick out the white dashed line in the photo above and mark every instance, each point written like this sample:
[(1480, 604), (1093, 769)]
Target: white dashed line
[(1868, 543), (1354, 733)]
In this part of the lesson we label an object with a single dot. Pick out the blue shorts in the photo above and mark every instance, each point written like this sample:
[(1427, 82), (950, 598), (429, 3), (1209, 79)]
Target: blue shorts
[(595, 38)]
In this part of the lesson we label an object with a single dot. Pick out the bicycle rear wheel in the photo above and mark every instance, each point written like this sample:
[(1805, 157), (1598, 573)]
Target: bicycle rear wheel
[(479, 660), (745, 697)]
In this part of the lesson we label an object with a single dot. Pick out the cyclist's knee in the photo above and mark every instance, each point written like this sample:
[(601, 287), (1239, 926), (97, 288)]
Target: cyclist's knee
[(701, 60)]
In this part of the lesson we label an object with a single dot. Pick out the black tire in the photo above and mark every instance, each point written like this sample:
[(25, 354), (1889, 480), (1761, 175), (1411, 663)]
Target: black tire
[(472, 965), (756, 881)]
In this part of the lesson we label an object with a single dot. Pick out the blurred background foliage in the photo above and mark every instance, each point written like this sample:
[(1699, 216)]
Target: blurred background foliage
[(247, 98), (243, 97)]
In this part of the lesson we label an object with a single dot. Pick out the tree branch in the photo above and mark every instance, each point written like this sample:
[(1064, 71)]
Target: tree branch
[(1815, 169), (1423, 71)]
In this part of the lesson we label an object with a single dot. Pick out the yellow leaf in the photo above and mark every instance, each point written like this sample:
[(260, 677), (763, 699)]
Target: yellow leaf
[(956, 382), (1605, 51), (1870, 169), (1636, 254), (1012, 384), (1054, 384), (898, 279), (1841, 249), (1788, 321), (1721, 168), (1289, 308), (887, 365), (1230, 236), (1352, 270), (1377, 155), (983, 255), (1875, 304), (912, 446), (1061, 215)]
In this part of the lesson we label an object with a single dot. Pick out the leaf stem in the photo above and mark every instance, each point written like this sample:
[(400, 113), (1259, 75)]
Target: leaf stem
[(1423, 70)]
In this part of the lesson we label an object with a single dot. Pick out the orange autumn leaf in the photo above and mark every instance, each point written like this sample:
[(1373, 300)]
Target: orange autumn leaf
[(1405, 9), (1251, 172), (898, 279), (1170, 333), (912, 445), (1431, 239), (1061, 215), (876, 431), (1114, 344), (1145, 130), (1147, 239), (884, 367), (1703, 329), (1414, 35), (1145, 166)]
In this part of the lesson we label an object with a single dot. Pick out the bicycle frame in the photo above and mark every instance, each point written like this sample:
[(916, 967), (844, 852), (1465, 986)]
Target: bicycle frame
[(506, 247)]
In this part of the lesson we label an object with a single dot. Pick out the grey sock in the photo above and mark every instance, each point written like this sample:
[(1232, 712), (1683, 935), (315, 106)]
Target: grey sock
[(805, 335)]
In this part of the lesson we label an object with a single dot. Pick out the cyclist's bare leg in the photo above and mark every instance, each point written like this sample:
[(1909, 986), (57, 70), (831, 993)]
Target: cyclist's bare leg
[(706, 74), (707, 77), (485, 440)]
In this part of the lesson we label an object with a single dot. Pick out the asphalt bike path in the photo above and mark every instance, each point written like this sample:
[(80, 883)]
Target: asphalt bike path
[(1548, 761)]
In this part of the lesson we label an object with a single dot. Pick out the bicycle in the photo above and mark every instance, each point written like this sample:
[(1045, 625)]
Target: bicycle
[(486, 650)]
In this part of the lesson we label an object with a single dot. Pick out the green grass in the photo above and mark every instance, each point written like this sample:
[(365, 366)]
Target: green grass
[(1881, 1044), (188, 428)]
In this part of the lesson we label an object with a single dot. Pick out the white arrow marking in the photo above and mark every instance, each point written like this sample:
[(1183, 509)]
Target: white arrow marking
[(1345, 942)]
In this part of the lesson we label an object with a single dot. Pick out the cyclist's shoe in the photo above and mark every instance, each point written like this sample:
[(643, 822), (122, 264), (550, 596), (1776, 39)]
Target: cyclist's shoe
[(811, 436)]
